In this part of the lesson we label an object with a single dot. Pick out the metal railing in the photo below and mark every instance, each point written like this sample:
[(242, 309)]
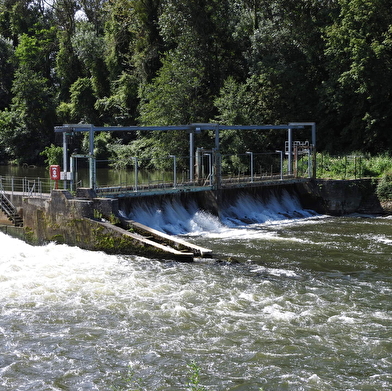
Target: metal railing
[(9, 209), (240, 169), (341, 167), (26, 186), (235, 169)]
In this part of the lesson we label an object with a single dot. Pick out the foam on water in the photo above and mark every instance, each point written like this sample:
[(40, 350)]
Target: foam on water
[(175, 218), (74, 319)]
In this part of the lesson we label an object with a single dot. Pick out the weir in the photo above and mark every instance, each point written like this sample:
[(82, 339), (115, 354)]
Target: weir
[(100, 218), (145, 225)]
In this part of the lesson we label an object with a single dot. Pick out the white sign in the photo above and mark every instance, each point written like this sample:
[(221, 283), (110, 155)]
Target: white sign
[(66, 176)]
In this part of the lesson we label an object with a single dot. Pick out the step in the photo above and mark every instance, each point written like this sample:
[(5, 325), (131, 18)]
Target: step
[(174, 241)]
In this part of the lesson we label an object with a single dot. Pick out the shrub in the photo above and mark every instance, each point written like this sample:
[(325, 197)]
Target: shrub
[(384, 187), (377, 165)]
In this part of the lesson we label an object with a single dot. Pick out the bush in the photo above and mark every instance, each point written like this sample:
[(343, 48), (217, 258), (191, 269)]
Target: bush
[(53, 154), (384, 187), (377, 165)]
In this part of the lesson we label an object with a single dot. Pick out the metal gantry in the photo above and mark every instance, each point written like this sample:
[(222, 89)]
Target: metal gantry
[(192, 129)]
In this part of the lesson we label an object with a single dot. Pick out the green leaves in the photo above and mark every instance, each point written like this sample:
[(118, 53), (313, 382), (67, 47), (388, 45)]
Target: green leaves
[(360, 76), (166, 62)]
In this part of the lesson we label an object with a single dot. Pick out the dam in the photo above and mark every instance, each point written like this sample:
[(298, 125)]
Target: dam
[(148, 218), (151, 223), (105, 218)]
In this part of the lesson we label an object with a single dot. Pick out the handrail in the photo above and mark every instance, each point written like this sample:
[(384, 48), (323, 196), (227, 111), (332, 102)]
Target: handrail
[(26, 186), (8, 208)]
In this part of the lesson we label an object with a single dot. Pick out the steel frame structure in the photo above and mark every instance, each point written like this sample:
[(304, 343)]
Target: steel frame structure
[(192, 129)]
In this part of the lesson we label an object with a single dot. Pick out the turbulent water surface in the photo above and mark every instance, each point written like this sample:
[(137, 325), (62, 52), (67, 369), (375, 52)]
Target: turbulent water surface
[(305, 304)]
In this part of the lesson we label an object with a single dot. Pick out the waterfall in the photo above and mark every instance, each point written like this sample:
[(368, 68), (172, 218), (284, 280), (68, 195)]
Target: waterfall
[(175, 216)]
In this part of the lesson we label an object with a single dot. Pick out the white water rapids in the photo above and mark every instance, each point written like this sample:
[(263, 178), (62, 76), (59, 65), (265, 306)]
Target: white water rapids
[(308, 307)]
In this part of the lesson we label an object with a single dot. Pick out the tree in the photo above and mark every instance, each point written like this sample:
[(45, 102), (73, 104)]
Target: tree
[(81, 106), (89, 47), (6, 73), (68, 67), (36, 52), (285, 70), (148, 45), (201, 55), (245, 104), (28, 125), (359, 87)]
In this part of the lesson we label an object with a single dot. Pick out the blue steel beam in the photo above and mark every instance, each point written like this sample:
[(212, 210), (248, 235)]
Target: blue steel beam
[(190, 127)]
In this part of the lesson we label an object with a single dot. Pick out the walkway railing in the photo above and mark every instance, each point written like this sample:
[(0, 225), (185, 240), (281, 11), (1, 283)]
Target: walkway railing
[(9, 209), (26, 186), (235, 170)]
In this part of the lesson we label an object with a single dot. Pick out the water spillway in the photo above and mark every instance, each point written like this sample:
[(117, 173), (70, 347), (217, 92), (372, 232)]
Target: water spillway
[(192, 213)]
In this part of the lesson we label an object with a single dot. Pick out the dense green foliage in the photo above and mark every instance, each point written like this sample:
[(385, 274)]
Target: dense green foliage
[(170, 62), (353, 166), (384, 187)]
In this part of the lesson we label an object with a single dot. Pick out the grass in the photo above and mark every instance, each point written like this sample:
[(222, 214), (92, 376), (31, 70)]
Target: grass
[(353, 166)]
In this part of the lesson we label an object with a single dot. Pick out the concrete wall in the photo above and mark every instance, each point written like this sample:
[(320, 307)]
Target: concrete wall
[(4, 219), (65, 219), (338, 197), (86, 223), (75, 221)]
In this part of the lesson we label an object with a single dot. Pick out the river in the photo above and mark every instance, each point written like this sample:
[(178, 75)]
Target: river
[(295, 301)]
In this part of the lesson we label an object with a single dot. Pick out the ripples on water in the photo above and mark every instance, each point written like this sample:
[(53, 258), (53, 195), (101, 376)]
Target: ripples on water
[(308, 307)]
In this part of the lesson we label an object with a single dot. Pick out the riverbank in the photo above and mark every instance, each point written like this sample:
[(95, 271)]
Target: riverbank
[(386, 206)]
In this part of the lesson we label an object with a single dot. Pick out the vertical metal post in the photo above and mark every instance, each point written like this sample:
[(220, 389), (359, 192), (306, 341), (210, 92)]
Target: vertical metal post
[(92, 171), (295, 161), (199, 164), (209, 166), (136, 173), (290, 152), (65, 158), (217, 160), (251, 165), (174, 170), (218, 169), (72, 169), (191, 155)]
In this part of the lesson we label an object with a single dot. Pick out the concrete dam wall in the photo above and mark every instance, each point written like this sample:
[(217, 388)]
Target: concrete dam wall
[(140, 225)]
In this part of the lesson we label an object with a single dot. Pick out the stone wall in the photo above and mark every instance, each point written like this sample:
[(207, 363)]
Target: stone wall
[(62, 218)]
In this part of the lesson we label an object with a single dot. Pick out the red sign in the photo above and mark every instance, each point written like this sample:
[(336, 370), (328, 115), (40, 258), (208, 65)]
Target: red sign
[(55, 172)]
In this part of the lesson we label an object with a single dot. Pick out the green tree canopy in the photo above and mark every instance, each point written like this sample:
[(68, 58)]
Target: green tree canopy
[(357, 91), (161, 62)]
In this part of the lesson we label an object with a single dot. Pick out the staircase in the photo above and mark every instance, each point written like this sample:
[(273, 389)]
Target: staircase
[(9, 209)]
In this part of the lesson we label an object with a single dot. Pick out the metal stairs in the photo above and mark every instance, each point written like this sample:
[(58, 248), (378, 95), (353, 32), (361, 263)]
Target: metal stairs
[(9, 209)]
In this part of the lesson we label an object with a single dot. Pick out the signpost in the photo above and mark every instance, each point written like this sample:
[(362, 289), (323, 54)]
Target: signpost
[(55, 174)]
